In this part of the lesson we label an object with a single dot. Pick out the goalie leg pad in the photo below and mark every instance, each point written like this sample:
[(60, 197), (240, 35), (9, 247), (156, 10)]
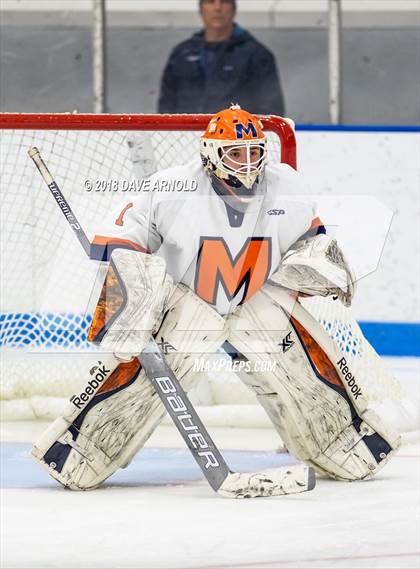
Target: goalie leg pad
[(304, 396), (108, 423), (87, 444)]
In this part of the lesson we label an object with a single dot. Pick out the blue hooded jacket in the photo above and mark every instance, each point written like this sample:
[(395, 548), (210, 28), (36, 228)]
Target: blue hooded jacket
[(202, 77)]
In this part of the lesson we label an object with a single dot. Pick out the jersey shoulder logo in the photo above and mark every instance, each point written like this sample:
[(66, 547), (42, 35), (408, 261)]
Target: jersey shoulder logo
[(120, 219), (276, 212)]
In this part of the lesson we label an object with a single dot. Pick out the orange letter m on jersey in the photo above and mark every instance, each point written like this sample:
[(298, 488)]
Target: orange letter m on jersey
[(215, 266)]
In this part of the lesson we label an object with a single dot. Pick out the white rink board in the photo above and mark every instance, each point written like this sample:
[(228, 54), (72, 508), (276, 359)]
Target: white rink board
[(385, 166)]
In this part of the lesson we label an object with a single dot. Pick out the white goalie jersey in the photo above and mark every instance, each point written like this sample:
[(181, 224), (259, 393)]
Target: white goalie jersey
[(223, 254)]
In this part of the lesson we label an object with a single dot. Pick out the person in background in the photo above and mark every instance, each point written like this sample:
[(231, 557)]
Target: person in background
[(220, 64)]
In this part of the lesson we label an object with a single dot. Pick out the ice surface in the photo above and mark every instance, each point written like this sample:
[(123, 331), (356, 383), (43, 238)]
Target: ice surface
[(159, 514), (369, 524)]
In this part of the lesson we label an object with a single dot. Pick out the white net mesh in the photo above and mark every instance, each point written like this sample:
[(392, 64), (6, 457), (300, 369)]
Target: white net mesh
[(46, 279)]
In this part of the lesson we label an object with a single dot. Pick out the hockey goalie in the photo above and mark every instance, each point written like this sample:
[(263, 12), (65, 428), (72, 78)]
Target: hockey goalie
[(224, 266)]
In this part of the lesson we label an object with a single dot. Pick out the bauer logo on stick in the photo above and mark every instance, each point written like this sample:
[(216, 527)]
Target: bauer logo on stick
[(178, 406)]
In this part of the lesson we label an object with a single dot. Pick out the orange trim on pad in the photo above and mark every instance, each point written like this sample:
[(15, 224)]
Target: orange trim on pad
[(319, 358), (121, 375)]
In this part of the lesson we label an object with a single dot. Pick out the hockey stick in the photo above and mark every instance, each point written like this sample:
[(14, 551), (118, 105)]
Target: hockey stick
[(270, 482)]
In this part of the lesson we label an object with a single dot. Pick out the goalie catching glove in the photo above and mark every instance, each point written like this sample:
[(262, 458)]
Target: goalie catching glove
[(316, 267)]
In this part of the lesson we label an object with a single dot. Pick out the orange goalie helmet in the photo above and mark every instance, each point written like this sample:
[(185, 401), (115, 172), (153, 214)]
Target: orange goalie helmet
[(234, 151)]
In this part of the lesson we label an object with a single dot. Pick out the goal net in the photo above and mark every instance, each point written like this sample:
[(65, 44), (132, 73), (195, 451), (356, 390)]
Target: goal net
[(47, 282)]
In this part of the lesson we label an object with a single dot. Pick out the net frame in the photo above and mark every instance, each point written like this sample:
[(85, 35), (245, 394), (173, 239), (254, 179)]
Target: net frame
[(43, 395), (46, 348), (146, 122)]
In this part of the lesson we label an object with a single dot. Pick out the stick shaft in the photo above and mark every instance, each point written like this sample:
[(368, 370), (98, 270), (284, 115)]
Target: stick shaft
[(60, 199)]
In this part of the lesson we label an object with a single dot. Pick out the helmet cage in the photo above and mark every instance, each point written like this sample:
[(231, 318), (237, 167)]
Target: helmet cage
[(217, 151)]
